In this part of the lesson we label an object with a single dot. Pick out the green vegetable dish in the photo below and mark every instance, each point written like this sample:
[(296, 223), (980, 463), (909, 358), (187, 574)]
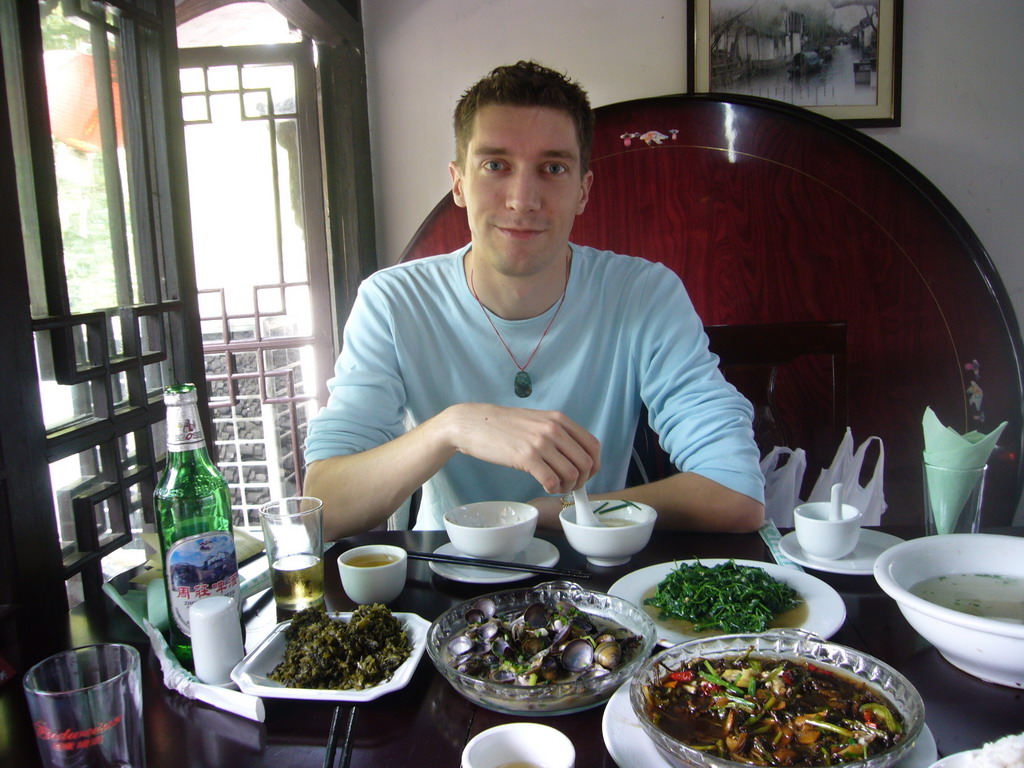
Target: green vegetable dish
[(729, 597), (327, 653), (772, 712)]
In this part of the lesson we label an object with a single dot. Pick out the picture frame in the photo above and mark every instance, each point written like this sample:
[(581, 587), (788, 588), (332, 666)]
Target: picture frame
[(839, 58)]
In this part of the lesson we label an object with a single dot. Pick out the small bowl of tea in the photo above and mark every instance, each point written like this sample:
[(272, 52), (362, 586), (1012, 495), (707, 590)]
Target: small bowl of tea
[(374, 573)]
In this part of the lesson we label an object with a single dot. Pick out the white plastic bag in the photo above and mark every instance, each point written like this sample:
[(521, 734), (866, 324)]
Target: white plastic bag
[(782, 483), (846, 469)]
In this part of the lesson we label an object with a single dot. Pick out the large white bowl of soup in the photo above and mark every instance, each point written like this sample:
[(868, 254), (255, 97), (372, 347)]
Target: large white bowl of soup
[(964, 593)]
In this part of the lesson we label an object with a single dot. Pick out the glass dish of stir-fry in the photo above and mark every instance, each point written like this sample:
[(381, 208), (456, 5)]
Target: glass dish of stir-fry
[(781, 698)]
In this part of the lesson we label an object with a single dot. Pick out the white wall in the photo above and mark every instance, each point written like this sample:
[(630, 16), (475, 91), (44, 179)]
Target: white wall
[(422, 54), (963, 94)]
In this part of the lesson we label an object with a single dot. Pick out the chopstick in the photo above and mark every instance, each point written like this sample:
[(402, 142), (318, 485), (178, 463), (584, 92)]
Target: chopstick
[(346, 750), (332, 738), (498, 564)]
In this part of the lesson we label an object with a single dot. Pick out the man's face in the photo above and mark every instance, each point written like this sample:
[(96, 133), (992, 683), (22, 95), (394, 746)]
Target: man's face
[(522, 188)]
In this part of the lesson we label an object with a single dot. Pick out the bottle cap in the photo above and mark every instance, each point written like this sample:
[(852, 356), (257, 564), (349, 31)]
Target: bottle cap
[(216, 638), (180, 394)]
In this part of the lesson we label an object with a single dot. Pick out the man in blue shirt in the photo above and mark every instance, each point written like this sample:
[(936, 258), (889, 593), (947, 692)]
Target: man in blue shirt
[(515, 368)]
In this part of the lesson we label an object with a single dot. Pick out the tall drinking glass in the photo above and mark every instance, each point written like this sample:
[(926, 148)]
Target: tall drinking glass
[(86, 707), (952, 499), (293, 532)]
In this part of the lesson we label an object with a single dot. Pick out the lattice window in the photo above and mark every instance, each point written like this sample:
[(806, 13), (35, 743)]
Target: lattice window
[(108, 316), (253, 165)]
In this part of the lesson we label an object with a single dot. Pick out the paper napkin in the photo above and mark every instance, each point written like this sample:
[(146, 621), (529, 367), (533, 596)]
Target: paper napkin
[(945, 447), (179, 679)]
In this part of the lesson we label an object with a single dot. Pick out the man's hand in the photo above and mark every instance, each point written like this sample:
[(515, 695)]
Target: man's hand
[(557, 451)]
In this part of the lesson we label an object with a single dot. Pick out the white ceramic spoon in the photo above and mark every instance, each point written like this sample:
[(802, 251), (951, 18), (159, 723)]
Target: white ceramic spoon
[(584, 511), (835, 510)]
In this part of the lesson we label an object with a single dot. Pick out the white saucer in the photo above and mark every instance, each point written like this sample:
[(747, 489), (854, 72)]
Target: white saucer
[(630, 747), (537, 552), (870, 545)]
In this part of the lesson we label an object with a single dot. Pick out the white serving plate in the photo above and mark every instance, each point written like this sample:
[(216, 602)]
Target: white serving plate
[(251, 673), (826, 610)]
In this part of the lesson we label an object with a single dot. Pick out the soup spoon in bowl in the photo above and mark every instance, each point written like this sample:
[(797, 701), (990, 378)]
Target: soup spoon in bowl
[(584, 510)]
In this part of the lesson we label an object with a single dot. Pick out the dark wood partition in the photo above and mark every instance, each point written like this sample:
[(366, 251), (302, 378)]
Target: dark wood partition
[(773, 214)]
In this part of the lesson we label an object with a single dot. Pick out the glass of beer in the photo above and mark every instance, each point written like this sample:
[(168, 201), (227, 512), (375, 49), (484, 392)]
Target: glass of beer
[(293, 532)]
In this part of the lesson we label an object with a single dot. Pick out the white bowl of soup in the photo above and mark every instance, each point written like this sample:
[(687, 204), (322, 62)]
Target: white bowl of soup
[(964, 593), (625, 528)]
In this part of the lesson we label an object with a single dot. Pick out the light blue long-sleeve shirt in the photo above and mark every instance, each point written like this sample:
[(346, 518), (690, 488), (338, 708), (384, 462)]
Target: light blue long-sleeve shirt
[(417, 341)]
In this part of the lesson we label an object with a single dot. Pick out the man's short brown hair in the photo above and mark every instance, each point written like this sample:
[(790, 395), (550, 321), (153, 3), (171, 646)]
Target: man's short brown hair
[(525, 84)]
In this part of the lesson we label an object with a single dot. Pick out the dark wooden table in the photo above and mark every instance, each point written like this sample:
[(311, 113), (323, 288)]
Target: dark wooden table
[(428, 723)]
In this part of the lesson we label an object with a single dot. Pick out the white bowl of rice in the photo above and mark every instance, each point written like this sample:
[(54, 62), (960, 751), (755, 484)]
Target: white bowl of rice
[(491, 529), (1007, 752)]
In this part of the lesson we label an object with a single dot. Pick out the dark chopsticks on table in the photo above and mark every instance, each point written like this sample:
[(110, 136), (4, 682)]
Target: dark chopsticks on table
[(332, 738), (498, 564)]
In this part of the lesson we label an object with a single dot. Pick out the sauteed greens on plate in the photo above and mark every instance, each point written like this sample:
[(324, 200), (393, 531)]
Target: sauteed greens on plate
[(771, 712), (730, 597)]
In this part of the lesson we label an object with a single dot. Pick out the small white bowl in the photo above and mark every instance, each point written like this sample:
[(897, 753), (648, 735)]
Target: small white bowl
[(822, 538), (519, 744), (373, 573), (491, 529), (987, 648), (624, 531)]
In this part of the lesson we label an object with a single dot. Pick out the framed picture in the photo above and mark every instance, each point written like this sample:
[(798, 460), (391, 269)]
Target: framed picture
[(840, 58)]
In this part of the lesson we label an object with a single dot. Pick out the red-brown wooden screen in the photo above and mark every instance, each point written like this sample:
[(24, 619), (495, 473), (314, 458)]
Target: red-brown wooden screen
[(774, 214)]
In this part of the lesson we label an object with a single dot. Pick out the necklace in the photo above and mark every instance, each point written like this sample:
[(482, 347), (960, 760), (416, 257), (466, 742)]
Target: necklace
[(522, 383)]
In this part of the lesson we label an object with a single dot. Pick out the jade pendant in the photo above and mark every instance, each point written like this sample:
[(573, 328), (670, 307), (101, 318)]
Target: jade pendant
[(523, 384)]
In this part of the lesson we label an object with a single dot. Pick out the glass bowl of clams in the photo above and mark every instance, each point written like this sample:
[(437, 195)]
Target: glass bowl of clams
[(547, 650)]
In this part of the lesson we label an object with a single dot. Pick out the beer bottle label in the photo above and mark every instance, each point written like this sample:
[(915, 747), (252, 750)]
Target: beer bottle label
[(185, 434), (197, 567)]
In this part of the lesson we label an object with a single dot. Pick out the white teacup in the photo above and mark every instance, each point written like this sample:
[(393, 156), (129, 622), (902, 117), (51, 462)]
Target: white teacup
[(824, 539), (530, 745), (374, 573)]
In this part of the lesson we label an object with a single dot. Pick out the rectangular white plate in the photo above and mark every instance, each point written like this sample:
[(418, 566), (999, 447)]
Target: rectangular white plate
[(251, 673)]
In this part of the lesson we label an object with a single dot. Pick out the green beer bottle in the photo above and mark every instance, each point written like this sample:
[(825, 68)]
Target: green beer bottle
[(193, 509)]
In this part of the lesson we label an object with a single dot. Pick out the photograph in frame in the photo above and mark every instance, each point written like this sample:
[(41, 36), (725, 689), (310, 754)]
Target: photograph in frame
[(839, 58)]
